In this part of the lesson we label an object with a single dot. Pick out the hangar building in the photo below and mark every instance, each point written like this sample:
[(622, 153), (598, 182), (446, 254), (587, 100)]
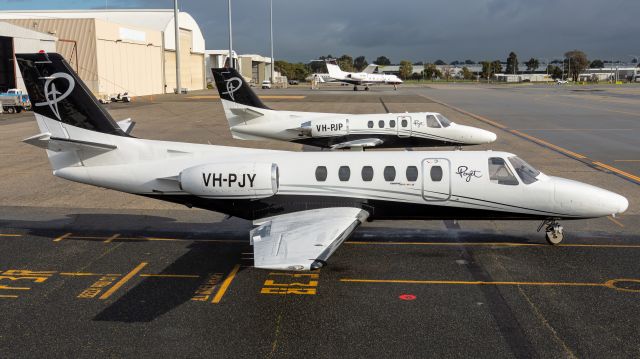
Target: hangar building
[(16, 39), (122, 50)]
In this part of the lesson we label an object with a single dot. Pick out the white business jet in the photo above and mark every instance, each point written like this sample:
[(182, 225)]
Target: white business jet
[(250, 119), (360, 78), (303, 204)]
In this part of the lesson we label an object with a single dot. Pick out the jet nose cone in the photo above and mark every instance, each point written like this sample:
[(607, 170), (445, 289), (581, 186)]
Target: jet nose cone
[(621, 203), (490, 136)]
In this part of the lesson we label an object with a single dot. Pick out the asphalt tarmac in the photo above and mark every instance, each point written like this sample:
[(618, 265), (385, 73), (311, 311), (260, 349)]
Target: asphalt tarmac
[(87, 272)]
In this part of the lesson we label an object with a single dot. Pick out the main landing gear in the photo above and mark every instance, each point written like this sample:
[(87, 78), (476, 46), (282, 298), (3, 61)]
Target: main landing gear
[(553, 231), (355, 88)]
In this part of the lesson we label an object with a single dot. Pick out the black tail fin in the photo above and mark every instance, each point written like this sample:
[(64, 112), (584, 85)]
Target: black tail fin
[(56, 91), (232, 87)]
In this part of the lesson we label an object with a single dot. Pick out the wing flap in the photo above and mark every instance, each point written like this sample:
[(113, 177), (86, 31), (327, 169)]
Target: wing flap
[(303, 240)]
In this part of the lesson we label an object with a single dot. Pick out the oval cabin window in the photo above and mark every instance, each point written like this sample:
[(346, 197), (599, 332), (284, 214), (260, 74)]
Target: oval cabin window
[(321, 173), (436, 173)]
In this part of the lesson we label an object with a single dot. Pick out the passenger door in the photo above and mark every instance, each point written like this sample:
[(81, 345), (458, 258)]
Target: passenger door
[(436, 179), (404, 126)]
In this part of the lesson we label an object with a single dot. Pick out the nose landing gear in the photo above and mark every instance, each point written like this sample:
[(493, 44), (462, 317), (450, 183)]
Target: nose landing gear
[(553, 231)]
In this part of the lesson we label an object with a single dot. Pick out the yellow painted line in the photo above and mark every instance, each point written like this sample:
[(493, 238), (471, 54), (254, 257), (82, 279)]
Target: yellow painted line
[(110, 239), (171, 275), (495, 244), (10, 235), (13, 288), (620, 172), (555, 147), (615, 221), (225, 284), (8, 296), (122, 281), (268, 97), (85, 274), (66, 235)]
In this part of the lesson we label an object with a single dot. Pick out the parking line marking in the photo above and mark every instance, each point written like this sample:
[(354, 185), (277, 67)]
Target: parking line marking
[(171, 275), (123, 280), (66, 235), (10, 235), (110, 239), (84, 274), (225, 284), (555, 147), (620, 172), (8, 296), (496, 244), (615, 221)]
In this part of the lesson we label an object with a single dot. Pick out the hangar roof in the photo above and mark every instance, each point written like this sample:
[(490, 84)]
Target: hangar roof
[(153, 19)]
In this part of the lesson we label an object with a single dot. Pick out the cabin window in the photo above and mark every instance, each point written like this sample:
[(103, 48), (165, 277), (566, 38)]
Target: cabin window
[(432, 122), (367, 173), (321, 173), (443, 121), (389, 173), (344, 172), (370, 124), (404, 123), (392, 123), (525, 171), (412, 173), (500, 173), (381, 124), (436, 173)]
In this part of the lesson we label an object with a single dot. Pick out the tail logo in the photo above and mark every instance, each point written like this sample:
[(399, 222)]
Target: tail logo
[(52, 94), (233, 84)]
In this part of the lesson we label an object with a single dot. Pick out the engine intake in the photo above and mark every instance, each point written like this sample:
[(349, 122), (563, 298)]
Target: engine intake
[(231, 180)]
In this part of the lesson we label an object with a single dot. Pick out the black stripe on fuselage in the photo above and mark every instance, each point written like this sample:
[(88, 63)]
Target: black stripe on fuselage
[(378, 209), (388, 141)]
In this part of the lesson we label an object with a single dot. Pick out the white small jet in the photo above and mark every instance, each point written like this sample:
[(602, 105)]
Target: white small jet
[(250, 119), (360, 78), (303, 204)]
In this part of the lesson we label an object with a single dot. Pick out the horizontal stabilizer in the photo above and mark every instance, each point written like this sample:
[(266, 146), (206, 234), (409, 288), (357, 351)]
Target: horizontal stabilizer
[(44, 140), (246, 113), (126, 125), (364, 142)]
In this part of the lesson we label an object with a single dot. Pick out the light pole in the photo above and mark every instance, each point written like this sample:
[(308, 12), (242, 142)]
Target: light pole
[(273, 63), (635, 66), (230, 38), (177, 40)]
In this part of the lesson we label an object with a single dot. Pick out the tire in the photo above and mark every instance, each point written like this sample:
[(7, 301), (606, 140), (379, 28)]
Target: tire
[(554, 239), (11, 110)]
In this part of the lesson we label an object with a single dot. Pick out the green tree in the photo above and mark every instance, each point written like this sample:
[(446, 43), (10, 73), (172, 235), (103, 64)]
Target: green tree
[(512, 63), (318, 66), (466, 73), (490, 68), (406, 69), (359, 63), (497, 66), (596, 64), (554, 71), (577, 62), (431, 72), (469, 62), (383, 61), (532, 64), (346, 63), (297, 71), (440, 62)]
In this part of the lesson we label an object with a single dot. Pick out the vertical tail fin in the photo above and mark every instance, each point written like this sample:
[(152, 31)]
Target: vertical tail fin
[(335, 71), (232, 87), (57, 93)]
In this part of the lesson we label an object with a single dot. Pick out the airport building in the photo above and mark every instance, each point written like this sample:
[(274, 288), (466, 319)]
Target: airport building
[(16, 39), (117, 51), (254, 68)]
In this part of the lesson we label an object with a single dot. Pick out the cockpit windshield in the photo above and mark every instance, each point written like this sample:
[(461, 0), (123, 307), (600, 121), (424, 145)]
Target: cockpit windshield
[(432, 122), (525, 171), (443, 120)]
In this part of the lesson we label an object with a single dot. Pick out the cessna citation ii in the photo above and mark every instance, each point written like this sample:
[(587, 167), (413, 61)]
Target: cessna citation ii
[(360, 78), (250, 119), (303, 204)]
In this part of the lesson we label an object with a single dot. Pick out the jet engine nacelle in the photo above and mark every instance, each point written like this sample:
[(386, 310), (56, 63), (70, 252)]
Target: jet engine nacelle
[(231, 180), (329, 127)]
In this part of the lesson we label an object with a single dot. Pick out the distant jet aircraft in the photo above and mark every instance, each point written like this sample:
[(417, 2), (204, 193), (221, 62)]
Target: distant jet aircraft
[(303, 204), (360, 78), (250, 119)]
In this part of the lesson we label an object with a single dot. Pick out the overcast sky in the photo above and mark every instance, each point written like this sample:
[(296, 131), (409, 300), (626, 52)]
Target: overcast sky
[(417, 30)]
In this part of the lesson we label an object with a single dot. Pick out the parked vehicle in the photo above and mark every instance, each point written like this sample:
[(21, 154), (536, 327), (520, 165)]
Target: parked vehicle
[(14, 101), (293, 82), (121, 97), (266, 84)]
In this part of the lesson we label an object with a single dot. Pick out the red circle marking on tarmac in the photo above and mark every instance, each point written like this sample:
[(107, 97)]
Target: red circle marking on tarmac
[(407, 297)]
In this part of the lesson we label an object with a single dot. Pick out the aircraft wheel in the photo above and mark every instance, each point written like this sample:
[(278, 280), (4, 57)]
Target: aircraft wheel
[(366, 89), (355, 88), (554, 235)]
